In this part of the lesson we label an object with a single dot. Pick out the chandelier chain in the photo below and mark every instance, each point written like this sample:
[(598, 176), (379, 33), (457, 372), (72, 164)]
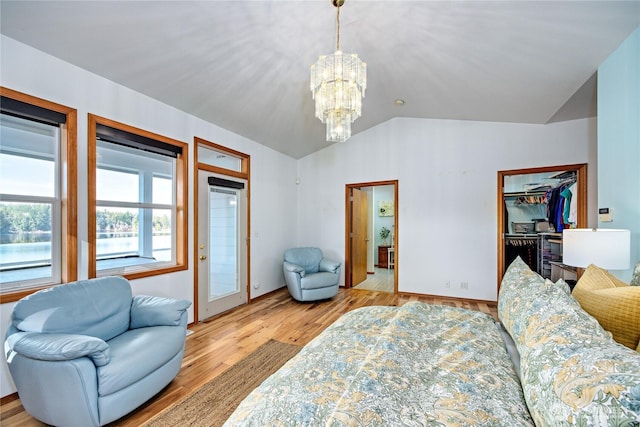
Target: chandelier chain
[(338, 28)]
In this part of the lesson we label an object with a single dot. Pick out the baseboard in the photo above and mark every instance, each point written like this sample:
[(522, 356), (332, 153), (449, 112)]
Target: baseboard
[(9, 398)]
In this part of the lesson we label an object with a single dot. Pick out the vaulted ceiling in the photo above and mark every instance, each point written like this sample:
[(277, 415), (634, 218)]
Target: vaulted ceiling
[(244, 65)]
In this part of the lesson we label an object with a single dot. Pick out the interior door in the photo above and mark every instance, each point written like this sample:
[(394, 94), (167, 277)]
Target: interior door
[(222, 244), (359, 215)]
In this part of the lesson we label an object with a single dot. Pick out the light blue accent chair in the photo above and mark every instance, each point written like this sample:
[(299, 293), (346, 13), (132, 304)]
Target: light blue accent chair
[(87, 353), (309, 276)]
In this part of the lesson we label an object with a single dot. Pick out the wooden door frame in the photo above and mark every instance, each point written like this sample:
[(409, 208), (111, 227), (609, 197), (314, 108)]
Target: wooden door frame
[(348, 230), (245, 174), (581, 182)]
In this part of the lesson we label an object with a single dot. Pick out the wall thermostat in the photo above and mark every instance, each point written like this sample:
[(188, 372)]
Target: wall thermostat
[(605, 215)]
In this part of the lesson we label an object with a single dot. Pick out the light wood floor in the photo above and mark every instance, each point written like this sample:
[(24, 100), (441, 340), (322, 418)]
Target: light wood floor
[(381, 280), (219, 343)]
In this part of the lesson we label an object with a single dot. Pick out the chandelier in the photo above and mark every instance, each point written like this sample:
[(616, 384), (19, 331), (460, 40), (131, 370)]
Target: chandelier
[(338, 82)]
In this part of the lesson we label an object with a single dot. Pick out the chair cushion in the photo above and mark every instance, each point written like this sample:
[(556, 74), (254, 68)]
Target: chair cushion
[(307, 258), (318, 280), (612, 302), (96, 307), (137, 353)]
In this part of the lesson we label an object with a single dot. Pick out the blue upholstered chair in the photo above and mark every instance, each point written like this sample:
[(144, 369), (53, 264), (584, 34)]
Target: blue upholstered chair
[(309, 276), (87, 353)]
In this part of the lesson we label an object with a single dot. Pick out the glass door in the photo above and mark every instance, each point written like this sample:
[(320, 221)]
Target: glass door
[(221, 245)]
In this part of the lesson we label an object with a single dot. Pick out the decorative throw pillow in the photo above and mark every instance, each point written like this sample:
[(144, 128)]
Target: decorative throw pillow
[(635, 280), (612, 302)]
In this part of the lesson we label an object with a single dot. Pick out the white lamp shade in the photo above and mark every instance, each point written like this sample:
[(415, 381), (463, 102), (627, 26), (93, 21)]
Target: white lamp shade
[(604, 247)]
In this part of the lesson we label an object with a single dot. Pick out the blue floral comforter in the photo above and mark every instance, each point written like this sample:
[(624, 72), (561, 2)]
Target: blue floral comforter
[(415, 365)]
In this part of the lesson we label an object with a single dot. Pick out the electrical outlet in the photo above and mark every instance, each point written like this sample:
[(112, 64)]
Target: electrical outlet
[(464, 285)]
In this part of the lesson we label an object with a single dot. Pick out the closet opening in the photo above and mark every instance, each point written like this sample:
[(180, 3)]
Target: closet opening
[(534, 206)]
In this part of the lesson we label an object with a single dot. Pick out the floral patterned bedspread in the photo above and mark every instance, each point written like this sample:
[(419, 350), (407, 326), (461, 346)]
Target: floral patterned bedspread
[(573, 372), (415, 365)]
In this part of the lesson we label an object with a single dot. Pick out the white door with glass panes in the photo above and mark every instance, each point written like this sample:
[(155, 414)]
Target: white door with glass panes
[(222, 244)]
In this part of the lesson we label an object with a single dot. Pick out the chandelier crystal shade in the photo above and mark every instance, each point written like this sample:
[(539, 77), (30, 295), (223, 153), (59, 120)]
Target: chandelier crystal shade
[(338, 83)]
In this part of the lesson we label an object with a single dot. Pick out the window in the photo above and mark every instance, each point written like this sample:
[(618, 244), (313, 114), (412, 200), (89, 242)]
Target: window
[(37, 195), (137, 216)]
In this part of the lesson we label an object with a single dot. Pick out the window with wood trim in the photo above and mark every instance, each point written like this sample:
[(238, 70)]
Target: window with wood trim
[(137, 208), (38, 240)]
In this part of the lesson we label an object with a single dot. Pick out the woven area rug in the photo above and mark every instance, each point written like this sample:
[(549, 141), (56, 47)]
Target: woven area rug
[(214, 402)]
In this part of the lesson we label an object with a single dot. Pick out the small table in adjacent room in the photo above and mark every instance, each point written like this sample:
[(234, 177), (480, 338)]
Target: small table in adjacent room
[(383, 256)]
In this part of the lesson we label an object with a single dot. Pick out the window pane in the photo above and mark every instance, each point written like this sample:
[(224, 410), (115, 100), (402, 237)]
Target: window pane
[(162, 190), (117, 232), (25, 241), (218, 158), (122, 239), (28, 156), (162, 235), (117, 186), (223, 253)]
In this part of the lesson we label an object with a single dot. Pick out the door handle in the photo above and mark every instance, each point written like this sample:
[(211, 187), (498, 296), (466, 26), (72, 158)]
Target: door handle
[(203, 257)]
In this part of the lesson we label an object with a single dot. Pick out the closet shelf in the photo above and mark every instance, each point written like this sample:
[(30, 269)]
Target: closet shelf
[(525, 193)]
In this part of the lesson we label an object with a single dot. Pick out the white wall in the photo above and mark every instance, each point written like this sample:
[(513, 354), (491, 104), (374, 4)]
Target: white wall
[(273, 189), (619, 143), (447, 198)]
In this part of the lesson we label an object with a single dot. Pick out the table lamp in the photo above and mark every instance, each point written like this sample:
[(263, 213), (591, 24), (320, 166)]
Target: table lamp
[(606, 248)]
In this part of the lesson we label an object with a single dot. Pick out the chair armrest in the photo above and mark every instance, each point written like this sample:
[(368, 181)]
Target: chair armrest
[(156, 311), (329, 265), (58, 347), (289, 266)]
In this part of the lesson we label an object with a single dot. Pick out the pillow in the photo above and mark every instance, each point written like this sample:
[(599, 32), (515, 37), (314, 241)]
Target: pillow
[(612, 302), (572, 371), (635, 280)]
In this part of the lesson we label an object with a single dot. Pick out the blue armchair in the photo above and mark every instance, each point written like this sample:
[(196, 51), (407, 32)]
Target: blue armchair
[(309, 276), (87, 353)]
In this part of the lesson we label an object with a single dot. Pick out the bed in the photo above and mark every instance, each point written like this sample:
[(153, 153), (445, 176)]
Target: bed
[(547, 363), (417, 364)]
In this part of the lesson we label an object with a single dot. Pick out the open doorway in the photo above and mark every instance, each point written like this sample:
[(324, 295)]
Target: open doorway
[(371, 239), (525, 228)]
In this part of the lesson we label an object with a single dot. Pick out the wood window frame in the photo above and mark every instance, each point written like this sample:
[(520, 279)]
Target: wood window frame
[(181, 183), (68, 190)]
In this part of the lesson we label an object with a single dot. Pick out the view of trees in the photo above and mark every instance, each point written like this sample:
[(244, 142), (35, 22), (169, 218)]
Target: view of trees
[(113, 221), (27, 217), (22, 217)]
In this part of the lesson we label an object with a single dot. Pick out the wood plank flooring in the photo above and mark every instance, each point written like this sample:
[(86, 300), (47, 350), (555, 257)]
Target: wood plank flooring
[(220, 342), (381, 280)]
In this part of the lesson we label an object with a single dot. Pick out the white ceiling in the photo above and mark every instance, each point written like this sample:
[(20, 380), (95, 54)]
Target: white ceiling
[(244, 65)]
